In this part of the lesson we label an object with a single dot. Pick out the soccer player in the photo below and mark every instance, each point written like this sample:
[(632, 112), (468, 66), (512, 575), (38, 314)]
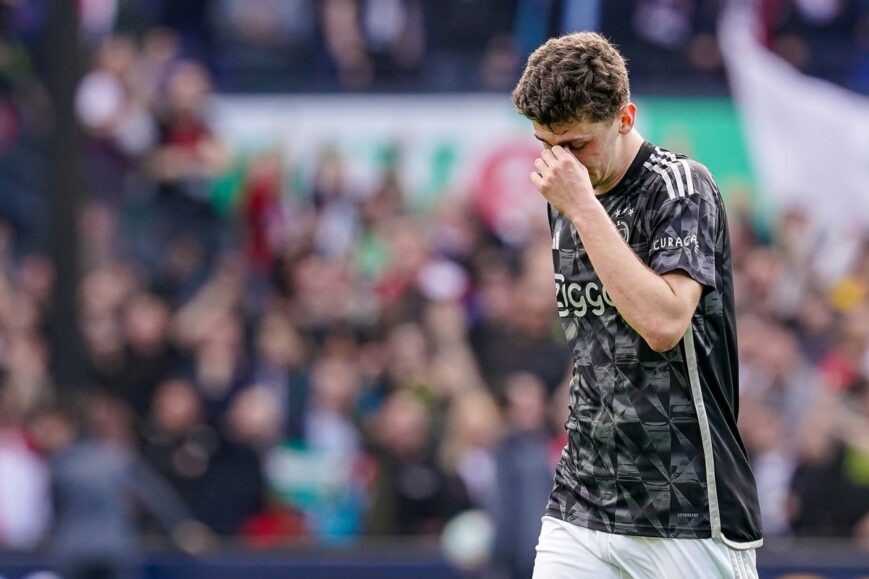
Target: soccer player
[(655, 480)]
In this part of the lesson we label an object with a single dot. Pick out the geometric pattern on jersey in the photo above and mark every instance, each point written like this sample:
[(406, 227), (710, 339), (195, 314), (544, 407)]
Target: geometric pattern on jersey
[(652, 446)]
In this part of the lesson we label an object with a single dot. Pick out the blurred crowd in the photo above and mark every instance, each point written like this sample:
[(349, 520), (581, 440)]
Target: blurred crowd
[(481, 44), (273, 359), (462, 45)]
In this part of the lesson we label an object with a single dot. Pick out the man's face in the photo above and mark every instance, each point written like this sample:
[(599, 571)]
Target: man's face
[(593, 144)]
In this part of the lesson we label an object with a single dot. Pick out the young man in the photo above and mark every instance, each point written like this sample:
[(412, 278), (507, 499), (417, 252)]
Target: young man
[(654, 480)]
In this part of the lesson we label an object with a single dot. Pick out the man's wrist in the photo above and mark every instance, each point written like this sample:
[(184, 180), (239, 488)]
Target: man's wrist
[(583, 208)]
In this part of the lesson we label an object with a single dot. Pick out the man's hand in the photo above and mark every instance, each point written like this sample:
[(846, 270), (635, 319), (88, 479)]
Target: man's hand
[(562, 180)]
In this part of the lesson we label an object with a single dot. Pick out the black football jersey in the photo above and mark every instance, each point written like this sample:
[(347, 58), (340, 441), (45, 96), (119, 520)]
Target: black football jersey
[(653, 447)]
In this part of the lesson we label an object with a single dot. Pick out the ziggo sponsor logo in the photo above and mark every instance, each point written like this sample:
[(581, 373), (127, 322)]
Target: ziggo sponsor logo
[(577, 300)]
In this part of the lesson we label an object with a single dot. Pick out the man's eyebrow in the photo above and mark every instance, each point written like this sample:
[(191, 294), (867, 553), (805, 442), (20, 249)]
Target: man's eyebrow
[(563, 142)]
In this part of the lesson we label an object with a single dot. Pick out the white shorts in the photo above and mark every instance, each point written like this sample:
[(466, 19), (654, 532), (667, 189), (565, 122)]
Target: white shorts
[(567, 551)]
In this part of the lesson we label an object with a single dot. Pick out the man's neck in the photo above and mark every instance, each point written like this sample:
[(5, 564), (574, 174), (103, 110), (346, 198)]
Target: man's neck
[(630, 147)]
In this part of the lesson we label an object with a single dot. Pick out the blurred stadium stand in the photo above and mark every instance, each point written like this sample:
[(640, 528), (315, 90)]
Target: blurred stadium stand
[(314, 307)]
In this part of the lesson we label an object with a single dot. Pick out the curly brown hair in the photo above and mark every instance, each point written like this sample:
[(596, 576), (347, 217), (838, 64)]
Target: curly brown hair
[(577, 77)]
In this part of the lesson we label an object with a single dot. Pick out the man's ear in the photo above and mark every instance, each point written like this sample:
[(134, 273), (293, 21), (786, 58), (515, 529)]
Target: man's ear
[(627, 118)]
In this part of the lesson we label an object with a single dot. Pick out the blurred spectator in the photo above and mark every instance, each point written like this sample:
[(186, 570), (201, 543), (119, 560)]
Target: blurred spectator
[(25, 511), (334, 392), (282, 368), (412, 494), (523, 476), (188, 156), (279, 36), (472, 431), (368, 39), (819, 477), (365, 38), (150, 357), (520, 337), (27, 376), (112, 110), (326, 472), (265, 218), (335, 203), (219, 476), (460, 33), (95, 473), (254, 420)]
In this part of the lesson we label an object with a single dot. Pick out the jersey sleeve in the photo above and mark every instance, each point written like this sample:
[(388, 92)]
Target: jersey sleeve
[(684, 225)]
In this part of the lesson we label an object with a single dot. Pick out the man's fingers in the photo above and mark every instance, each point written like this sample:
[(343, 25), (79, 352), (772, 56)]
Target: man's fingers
[(540, 165), (560, 152), (561, 155), (537, 180), (548, 157)]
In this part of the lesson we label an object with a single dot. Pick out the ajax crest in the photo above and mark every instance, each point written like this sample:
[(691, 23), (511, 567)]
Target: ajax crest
[(622, 226)]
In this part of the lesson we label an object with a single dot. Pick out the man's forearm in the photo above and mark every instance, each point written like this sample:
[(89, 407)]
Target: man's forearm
[(643, 298)]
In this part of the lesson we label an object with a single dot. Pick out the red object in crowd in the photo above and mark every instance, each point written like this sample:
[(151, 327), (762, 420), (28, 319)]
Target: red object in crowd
[(262, 213), (272, 528)]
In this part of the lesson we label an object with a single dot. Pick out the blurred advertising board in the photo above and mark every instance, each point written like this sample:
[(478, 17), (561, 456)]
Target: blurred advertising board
[(473, 147)]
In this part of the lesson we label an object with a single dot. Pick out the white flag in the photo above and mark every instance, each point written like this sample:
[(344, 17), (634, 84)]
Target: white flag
[(808, 138)]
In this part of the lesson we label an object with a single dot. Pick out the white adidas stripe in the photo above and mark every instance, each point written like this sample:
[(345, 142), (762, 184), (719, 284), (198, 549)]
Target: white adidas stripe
[(664, 161), (675, 168), (663, 173), (689, 179)]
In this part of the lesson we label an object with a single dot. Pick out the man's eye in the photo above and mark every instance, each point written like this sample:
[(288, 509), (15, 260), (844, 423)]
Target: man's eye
[(577, 146)]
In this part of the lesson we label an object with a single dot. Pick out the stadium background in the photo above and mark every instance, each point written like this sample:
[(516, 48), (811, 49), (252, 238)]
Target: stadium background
[(273, 269)]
